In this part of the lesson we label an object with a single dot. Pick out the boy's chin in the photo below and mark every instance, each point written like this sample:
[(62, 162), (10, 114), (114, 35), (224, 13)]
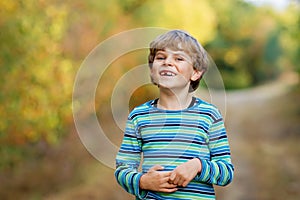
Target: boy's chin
[(164, 86)]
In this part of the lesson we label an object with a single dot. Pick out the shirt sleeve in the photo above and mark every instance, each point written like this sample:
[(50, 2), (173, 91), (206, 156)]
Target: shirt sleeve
[(217, 170), (128, 161)]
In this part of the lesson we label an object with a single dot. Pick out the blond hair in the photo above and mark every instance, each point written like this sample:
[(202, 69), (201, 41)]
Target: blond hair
[(179, 40)]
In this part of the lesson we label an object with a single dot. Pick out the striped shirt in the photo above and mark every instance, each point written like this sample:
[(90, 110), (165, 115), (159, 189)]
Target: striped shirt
[(170, 138)]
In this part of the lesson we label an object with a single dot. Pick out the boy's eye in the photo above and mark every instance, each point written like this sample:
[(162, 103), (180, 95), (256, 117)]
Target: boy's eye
[(159, 57), (180, 59)]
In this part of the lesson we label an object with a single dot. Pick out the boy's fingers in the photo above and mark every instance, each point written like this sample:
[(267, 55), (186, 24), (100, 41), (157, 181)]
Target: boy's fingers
[(177, 180), (168, 187), (185, 184), (168, 190), (166, 180), (172, 176), (171, 185)]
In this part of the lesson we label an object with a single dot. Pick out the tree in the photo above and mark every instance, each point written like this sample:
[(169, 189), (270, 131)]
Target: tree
[(36, 79)]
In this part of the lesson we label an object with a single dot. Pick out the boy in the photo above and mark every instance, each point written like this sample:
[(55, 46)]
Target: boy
[(181, 138)]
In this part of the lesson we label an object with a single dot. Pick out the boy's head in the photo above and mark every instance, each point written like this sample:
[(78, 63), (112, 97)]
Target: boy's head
[(181, 41)]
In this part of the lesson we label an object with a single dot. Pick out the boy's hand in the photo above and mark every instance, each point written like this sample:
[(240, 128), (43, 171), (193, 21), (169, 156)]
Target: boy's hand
[(185, 172), (156, 180)]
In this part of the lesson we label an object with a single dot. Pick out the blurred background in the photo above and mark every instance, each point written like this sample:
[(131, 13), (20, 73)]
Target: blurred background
[(255, 44)]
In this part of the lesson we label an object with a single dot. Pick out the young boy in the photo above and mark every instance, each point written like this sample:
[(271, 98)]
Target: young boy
[(180, 139)]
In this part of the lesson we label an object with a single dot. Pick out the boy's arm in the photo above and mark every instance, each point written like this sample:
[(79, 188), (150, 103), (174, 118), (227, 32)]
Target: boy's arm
[(128, 161), (219, 169)]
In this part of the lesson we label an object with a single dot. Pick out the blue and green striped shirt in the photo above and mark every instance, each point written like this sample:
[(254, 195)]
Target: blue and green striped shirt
[(170, 138)]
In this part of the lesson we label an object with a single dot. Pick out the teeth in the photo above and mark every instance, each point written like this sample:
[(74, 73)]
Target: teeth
[(167, 74)]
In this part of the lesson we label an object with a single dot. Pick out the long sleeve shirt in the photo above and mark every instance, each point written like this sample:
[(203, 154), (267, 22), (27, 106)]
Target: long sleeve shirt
[(170, 138)]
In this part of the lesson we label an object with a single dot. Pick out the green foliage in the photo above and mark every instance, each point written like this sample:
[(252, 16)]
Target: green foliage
[(35, 79), (247, 49), (197, 17), (289, 21)]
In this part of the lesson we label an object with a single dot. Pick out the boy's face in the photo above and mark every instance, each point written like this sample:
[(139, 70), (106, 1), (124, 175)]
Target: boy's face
[(173, 69)]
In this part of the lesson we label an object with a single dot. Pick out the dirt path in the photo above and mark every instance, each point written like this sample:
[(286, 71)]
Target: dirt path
[(247, 110), (244, 110)]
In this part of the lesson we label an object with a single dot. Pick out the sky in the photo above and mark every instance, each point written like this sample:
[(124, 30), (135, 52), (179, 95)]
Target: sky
[(278, 4)]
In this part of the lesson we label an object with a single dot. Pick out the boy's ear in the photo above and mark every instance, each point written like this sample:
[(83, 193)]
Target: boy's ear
[(196, 75)]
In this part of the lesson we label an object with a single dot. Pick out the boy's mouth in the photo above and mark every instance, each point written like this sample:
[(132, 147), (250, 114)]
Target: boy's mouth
[(167, 73)]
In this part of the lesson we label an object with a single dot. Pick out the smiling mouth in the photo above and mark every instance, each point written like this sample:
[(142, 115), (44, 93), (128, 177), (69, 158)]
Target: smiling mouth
[(167, 73)]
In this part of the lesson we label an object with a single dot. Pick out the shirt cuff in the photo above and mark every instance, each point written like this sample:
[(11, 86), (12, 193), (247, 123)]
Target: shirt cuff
[(203, 175), (140, 194)]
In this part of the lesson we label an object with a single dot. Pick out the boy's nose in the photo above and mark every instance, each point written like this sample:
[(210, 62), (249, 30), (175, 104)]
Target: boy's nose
[(169, 61)]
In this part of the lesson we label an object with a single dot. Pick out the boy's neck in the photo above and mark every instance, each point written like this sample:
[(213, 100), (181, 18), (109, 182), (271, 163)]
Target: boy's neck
[(173, 101)]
